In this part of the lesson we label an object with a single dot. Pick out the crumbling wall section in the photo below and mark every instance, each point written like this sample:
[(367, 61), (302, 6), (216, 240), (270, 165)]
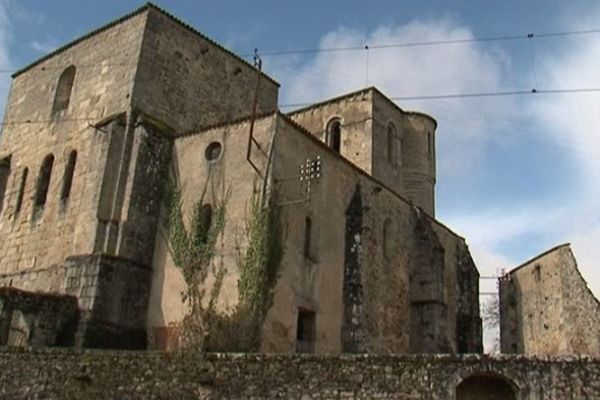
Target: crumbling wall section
[(546, 307)]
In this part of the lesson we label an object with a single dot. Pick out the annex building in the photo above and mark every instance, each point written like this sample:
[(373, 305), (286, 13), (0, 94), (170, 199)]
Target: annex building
[(94, 132)]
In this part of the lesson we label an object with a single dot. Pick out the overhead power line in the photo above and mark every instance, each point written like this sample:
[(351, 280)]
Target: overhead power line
[(428, 43), (395, 98), (476, 94), (366, 47)]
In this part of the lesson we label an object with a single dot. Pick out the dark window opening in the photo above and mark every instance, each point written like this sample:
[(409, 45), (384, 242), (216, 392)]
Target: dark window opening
[(21, 192), (203, 221), (63, 90), (213, 151), (334, 133), (537, 273), (305, 332), (4, 174), (392, 151), (43, 185), (68, 177), (429, 142), (307, 237)]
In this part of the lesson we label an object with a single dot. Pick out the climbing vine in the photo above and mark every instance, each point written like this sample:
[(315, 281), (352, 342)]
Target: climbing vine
[(192, 251), (259, 262)]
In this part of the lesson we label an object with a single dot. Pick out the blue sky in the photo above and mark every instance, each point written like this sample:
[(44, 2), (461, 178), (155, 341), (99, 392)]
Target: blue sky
[(516, 175)]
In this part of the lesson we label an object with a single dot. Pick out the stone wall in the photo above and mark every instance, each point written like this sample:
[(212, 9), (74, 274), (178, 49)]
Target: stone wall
[(191, 82), (366, 116), (546, 307), (61, 374), (32, 238), (360, 295), (37, 319)]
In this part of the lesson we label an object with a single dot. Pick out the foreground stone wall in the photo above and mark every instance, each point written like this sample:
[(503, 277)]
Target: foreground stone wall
[(63, 374)]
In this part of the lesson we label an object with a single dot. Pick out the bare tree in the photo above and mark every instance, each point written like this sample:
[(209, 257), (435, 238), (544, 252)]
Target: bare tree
[(490, 314)]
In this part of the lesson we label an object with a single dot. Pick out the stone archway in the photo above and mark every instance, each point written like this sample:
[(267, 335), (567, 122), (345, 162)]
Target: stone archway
[(485, 387)]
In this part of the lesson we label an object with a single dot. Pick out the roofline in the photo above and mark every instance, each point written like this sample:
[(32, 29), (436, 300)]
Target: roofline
[(535, 258), (323, 146), (146, 7), (304, 131), (237, 121), (417, 113), (357, 92)]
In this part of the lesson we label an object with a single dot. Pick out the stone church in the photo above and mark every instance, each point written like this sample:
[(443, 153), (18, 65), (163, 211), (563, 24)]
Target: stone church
[(93, 131)]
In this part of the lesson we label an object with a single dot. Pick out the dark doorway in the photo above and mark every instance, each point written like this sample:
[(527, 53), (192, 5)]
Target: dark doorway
[(305, 332), (485, 387)]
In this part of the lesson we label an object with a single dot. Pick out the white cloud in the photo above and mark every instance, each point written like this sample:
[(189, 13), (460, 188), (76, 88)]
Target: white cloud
[(470, 129), (401, 71), (42, 47)]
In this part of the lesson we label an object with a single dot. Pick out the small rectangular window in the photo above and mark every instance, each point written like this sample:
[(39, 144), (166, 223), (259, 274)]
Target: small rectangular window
[(305, 332), (537, 273)]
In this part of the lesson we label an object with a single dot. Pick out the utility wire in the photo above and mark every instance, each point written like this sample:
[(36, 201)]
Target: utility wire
[(371, 46), (428, 43), (474, 95), (396, 98)]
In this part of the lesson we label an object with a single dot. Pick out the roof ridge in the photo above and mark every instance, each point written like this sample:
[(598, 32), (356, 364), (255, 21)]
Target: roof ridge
[(537, 257), (126, 17), (88, 35)]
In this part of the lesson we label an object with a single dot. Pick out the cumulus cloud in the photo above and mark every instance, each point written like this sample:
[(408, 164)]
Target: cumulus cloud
[(410, 71), (471, 130)]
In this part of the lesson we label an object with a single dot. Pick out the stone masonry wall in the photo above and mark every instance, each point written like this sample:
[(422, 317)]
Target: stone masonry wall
[(102, 87), (365, 117), (314, 282), (62, 374), (547, 308), (190, 82)]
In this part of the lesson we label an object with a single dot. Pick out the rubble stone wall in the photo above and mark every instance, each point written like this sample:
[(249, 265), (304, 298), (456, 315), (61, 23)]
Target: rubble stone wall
[(64, 374)]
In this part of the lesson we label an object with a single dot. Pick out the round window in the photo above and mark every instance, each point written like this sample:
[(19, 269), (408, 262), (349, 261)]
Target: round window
[(213, 151)]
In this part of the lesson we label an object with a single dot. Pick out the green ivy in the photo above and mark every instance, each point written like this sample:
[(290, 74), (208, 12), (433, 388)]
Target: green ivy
[(192, 253), (259, 268)]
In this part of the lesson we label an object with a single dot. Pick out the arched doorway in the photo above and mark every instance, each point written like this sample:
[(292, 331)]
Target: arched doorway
[(485, 387)]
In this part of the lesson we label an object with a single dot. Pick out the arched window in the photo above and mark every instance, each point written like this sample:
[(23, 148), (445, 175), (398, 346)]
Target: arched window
[(68, 177), (43, 183), (388, 239), (63, 90), (203, 221), (21, 193), (392, 150), (4, 174), (430, 142), (307, 236), (334, 133)]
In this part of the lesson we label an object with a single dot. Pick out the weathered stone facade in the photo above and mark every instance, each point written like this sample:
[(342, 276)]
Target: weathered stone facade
[(546, 307), (61, 374), (37, 319), (364, 261)]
